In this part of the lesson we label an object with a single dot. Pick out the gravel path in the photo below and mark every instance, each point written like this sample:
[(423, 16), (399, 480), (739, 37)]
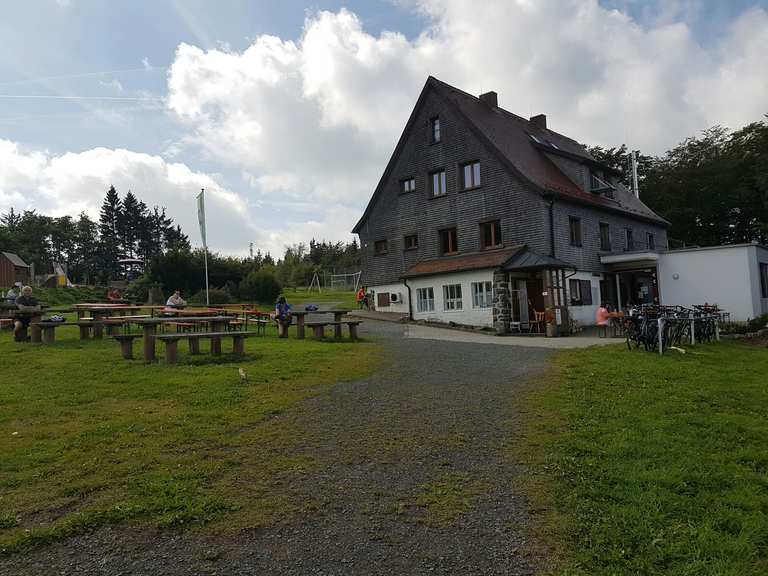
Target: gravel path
[(413, 480)]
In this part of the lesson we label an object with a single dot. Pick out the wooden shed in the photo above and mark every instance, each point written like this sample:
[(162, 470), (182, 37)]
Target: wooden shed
[(13, 269)]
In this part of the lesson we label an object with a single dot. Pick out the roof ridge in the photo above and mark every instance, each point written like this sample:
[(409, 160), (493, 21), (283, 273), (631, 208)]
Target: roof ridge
[(507, 112)]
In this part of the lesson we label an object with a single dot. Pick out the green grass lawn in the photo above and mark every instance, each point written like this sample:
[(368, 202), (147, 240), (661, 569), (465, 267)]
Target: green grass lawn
[(342, 299), (648, 465), (87, 438)]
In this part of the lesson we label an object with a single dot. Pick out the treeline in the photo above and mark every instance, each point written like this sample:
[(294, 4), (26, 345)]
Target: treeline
[(713, 188), (183, 270), (127, 229), (90, 249)]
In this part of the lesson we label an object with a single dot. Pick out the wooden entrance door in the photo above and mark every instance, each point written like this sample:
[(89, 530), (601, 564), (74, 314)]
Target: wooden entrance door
[(535, 287)]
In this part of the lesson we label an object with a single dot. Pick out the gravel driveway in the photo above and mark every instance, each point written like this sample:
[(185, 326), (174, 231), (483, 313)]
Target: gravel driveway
[(413, 479)]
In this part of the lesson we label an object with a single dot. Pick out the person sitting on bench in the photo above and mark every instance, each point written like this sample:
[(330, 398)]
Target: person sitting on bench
[(283, 316), (176, 301), (27, 305), (12, 294)]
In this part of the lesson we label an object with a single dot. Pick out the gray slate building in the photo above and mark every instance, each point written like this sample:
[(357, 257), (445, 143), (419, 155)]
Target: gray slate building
[(486, 218)]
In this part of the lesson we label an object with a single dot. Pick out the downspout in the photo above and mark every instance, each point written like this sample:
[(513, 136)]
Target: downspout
[(410, 302), (551, 227)]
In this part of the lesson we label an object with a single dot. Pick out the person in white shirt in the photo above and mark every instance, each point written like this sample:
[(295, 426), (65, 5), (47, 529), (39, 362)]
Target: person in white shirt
[(176, 301)]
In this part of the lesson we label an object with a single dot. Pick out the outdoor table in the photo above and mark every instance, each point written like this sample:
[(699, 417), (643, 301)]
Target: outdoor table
[(300, 318), (185, 312), (103, 310), (149, 328)]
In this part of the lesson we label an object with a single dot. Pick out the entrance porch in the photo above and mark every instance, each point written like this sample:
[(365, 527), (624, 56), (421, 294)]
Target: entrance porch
[(530, 295), (631, 279)]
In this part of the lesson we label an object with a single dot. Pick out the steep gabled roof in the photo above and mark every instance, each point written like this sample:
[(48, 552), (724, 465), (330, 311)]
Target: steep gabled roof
[(15, 259), (509, 137)]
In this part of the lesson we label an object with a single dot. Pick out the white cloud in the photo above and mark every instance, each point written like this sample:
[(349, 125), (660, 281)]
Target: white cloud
[(75, 182), (308, 124), (312, 122)]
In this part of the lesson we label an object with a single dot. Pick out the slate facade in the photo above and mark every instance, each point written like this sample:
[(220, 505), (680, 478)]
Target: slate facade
[(525, 202)]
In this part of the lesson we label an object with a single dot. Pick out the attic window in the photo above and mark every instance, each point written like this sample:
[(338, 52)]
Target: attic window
[(600, 186), (532, 137), (553, 145)]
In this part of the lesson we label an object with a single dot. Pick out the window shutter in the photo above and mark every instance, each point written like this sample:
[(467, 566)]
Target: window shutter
[(586, 292)]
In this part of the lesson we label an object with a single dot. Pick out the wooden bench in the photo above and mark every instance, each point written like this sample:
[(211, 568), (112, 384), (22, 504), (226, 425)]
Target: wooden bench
[(6, 323), (318, 328), (44, 331), (126, 344), (172, 341), (88, 326)]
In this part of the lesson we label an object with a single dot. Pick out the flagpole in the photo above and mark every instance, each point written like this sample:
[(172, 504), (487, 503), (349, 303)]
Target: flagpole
[(201, 218)]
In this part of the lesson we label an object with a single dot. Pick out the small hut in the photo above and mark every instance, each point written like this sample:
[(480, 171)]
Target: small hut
[(13, 269)]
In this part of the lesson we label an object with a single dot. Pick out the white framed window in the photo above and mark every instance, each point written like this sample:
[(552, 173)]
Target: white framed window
[(482, 294), (435, 130), (408, 185), (452, 297), (470, 175), (425, 299), (438, 185)]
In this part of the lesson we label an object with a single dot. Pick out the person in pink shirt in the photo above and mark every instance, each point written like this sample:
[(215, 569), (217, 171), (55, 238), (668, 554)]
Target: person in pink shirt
[(603, 318)]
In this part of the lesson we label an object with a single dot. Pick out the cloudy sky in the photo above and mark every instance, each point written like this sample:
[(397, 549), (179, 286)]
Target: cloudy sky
[(287, 112)]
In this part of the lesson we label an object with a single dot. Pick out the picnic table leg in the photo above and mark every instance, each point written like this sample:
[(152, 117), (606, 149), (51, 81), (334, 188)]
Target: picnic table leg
[(35, 333), (353, 331), (300, 327), (319, 331), (216, 341), (238, 347), (194, 345), (171, 351), (126, 347), (337, 328), (98, 331), (49, 335), (80, 314), (149, 342), (85, 332)]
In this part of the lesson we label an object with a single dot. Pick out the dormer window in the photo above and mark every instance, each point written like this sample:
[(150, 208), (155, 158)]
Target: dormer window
[(599, 186), (532, 137), (434, 125)]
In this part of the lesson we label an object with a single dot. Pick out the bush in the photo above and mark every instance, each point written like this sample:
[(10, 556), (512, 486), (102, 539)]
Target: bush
[(217, 297), (138, 290), (260, 286)]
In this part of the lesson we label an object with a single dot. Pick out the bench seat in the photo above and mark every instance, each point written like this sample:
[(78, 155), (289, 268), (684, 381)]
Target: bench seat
[(44, 331), (126, 344), (86, 326), (318, 327), (172, 340)]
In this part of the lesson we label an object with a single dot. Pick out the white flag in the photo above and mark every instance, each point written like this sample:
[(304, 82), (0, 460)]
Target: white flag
[(201, 215)]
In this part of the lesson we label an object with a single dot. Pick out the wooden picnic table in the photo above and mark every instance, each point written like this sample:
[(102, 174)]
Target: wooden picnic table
[(149, 329), (104, 310), (184, 312)]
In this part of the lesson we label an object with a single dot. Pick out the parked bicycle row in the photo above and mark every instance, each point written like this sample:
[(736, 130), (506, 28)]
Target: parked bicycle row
[(657, 328)]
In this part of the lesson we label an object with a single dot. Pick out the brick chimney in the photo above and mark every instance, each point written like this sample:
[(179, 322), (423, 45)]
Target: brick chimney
[(540, 120), (490, 98)]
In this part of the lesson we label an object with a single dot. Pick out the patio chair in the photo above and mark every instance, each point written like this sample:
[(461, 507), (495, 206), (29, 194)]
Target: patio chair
[(537, 324)]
